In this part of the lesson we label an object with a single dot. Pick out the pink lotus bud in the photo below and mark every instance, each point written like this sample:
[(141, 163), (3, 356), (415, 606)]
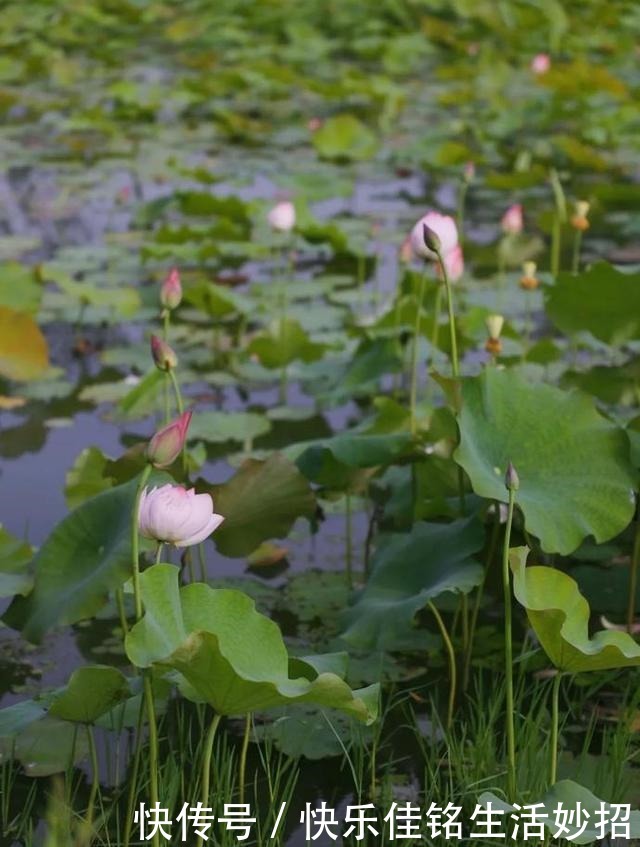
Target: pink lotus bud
[(441, 226), (166, 445), (512, 222), (511, 479), (163, 355), (177, 516), (282, 216), (171, 291), (541, 63)]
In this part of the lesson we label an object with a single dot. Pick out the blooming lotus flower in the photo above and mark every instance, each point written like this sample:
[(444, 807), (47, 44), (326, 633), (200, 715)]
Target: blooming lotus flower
[(171, 291), (541, 63), (443, 226), (177, 516), (283, 216), (166, 445), (512, 222), (454, 263), (164, 356)]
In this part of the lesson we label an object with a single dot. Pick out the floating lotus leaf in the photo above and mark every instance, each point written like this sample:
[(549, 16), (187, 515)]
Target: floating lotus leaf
[(230, 655), (559, 614), (575, 474), (284, 342), (219, 427), (409, 570), (91, 692), (344, 137)]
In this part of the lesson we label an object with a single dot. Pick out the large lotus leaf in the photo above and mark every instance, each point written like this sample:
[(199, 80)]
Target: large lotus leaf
[(232, 656), (345, 137), (601, 300), (284, 342), (217, 301), (332, 461), (49, 746), (15, 555), (19, 287), (567, 795), (87, 477), (261, 501), (559, 614), (575, 476), (219, 427), (24, 353), (86, 556), (409, 570), (91, 692)]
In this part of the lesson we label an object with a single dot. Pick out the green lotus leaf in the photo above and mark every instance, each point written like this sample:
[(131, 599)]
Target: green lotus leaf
[(559, 615), (601, 300), (91, 692), (261, 501), (409, 570), (220, 427), (575, 475), (232, 657), (344, 137), (46, 746), (15, 556), (569, 795), (87, 477), (284, 342), (19, 287), (87, 556)]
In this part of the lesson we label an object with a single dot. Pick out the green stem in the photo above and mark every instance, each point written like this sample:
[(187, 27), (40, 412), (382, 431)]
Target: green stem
[(462, 196), (131, 799), (435, 333), (555, 696), (577, 242), (121, 611), (452, 320), (243, 756), (166, 317), (95, 782), (176, 390), (556, 236), (159, 552), (414, 352), (633, 577), (508, 654), (154, 796), (452, 662), (135, 554), (206, 760), (348, 543), (202, 562)]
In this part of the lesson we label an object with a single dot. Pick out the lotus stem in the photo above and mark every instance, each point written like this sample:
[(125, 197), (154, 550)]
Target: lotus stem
[(166, 317), (414, 353), (452, 320), (243, 756), (633, 577), (135, 550), (435, 331), (122, 615), (577, 243), (154, 796), (555, 696), (128, 824), (206, 760), (508, 653), (348, 542), (559, 218), (452, 662), (95, 781)]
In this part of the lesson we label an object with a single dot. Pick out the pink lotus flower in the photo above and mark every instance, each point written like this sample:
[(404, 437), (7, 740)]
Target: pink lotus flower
[(177, 516), (512, 221), (541, 63), (171, 291), (453, 263), (444, 228), (283, 216), (166, 445)]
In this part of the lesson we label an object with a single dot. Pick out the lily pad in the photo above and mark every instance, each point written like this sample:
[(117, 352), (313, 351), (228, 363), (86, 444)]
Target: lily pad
[(91, 692), (24, 353), (559, 615), (345, 137), (575, 475), (230, 655), (409, 570), (220, 427)]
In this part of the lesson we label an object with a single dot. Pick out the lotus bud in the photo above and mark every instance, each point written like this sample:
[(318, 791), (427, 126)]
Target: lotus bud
[(168, 442), (171, 291), (164, 356), (579, 219), (541, 63), (469, 172), (283, 216), (529, 280), (511, 479), (512, 222), (494, 324), (431, 239)]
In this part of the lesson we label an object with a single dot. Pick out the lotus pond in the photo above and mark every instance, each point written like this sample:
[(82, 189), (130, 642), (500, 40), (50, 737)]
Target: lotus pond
[(319, 422)]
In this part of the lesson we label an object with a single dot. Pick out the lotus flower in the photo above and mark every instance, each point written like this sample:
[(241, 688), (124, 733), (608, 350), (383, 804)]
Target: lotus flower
[(177, 515), (283, 216), (171, 291), (443, 226), (512, 222), (166, 445), (454, 263), (541, 63)]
